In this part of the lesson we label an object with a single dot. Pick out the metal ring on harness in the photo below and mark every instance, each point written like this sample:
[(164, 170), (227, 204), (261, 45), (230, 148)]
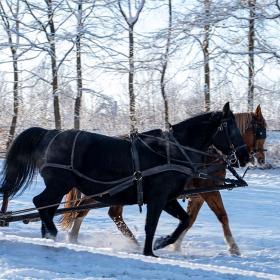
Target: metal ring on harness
[(137, 175), (232, 158)]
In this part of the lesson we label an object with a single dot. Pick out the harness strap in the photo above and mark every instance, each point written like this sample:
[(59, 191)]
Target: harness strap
[(179, 146), (137, 172), (187, 148)]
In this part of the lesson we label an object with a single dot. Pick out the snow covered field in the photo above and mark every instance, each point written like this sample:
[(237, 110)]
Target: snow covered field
[(102, 253)]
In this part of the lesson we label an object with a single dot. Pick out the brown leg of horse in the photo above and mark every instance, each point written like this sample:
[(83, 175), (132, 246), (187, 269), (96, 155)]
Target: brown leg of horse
[(115, 213), (74, 232), (194, 205), (215, 202)]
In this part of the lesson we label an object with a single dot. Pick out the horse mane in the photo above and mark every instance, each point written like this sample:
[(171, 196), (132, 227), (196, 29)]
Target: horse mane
[(196, 119), (244, 120)]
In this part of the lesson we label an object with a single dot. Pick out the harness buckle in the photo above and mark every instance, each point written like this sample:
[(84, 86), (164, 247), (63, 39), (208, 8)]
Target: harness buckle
[(202, 175)]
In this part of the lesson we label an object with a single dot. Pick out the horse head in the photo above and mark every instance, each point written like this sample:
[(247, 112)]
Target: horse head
[(228, 139), (259, 129), (253, 130)]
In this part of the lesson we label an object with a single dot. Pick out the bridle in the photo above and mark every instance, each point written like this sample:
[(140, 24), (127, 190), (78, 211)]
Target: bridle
[(231, 158), (259, 133)]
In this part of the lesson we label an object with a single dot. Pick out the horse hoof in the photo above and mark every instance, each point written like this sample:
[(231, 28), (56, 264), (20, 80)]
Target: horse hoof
[(150, 254), (176, 248), (161, 242), (72, 239), (234, 251), (50, 236)]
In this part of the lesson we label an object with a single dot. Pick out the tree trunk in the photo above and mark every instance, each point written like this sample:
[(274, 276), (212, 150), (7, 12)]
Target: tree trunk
[(205, 49), (251, 49), (164, 67), (14, 51), (131, 21), (131, 81), (51, 38), (15, 99), (78, 100)]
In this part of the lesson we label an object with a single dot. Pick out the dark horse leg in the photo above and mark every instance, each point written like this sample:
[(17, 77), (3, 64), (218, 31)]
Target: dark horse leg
[(154, 209), (176, 210), (52, 195), (194, 205)]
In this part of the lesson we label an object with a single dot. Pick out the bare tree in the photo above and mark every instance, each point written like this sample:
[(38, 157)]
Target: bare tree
[(131, 21), (206, 58), (48, 28), (11, 25), (251, 50), (164, 66), (77, 105)]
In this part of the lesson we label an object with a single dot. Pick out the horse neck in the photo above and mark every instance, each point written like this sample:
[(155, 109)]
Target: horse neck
[(196, 132)]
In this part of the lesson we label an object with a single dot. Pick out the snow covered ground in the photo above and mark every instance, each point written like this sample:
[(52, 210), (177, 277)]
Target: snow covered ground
[(102, 253)]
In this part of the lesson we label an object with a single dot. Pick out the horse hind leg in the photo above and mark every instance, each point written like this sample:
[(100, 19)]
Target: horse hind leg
[(74, 232), (52, 195), (115, 213), (48, 229), (77, 221), (215, 202)]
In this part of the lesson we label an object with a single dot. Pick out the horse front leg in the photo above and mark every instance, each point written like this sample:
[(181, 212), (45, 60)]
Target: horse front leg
[(176, 210), (154, 209), (215, 202), (115, 213), (194, 205)]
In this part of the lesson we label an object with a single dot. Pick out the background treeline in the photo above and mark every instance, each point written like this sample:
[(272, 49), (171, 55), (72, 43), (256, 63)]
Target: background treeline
[(114, 65)]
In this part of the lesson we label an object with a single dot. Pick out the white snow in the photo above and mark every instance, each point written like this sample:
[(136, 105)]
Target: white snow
[(102, 253)]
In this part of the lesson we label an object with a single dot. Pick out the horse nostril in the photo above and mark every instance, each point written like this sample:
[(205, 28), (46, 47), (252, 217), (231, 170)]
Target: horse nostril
[(261, 161)]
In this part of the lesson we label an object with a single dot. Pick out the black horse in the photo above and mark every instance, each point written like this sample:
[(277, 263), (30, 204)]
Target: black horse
[(86, 160)]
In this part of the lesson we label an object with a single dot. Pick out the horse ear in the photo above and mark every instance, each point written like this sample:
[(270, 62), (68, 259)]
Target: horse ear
[(226, 109), (259, 112)]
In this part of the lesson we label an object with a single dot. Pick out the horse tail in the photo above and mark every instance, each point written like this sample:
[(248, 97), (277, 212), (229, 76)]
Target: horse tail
[(20, 164), (71, 199)]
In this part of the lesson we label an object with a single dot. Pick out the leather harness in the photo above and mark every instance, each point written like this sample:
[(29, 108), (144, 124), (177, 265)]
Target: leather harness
[(138, 174)]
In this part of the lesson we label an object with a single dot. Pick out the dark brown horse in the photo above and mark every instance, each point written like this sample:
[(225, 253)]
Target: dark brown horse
[(253, 129)]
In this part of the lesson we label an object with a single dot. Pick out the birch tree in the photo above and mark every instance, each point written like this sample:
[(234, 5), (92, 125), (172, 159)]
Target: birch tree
[(131, 20), (164, 67), (251, 50), (206, 57)]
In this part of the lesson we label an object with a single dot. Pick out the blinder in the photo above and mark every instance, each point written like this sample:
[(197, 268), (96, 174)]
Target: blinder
[(259, 129), (260, 133)]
